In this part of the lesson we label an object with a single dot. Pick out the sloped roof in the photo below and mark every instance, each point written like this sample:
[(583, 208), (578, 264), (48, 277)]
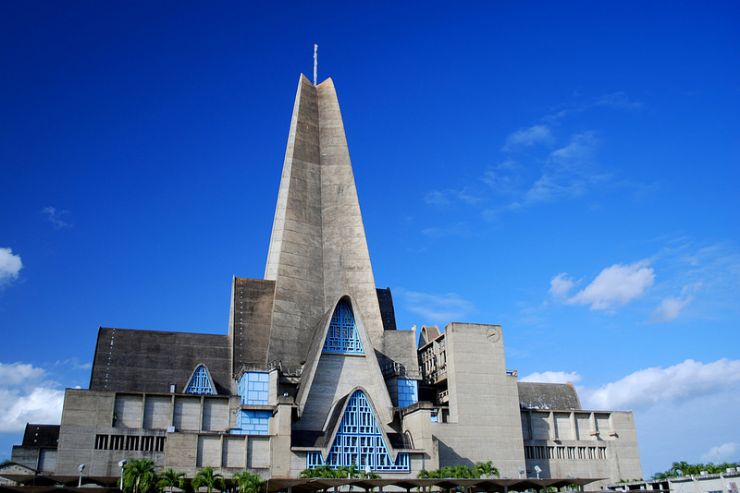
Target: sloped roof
[(534, 395), (41, 436), (252, 321), (129, 360)]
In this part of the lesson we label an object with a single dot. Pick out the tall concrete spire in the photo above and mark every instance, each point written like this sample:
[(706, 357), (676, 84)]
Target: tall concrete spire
[(318, 250)]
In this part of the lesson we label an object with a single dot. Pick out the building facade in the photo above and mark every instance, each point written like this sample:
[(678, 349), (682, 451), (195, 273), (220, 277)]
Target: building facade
[(313, 370)]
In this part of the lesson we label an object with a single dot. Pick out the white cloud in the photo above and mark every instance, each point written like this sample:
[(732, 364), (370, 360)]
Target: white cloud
[(618, 100), (570, 171), (458, 229), (10, 266), (580, 147), (527, 137), (27, 397), (504, 178), (561, 285), (18, 373), (721, 453), (441, 198), (41, 405), (436, 308), (56, 217), (552, 377), (616, 285), (670, 308), (681, 382)]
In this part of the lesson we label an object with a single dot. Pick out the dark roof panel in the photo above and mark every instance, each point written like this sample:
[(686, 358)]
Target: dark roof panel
[(252, 304), (129, 360), (387, 313), (534, 395), (41, 436)]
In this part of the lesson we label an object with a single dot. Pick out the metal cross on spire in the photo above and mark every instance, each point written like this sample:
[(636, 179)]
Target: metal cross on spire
[(315, 63)]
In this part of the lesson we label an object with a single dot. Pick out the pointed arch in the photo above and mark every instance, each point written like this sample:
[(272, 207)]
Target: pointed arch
[(384, 409), (200, 382), (359, 440), (342, 336)]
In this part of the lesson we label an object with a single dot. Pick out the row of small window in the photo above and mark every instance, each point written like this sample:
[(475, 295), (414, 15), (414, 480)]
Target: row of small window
[(129, 442), (571, 453)]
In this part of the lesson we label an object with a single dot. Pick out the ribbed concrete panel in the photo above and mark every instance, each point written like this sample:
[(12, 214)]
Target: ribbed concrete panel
[(318, 251), (294, 260), (347, 268)]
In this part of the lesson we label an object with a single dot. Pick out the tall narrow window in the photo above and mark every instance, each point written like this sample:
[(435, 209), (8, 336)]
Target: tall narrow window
[(343, 336), (359, 442), (200, 382)]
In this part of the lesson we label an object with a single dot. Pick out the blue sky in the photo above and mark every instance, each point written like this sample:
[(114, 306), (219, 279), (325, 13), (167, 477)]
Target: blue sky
[(568, 171)]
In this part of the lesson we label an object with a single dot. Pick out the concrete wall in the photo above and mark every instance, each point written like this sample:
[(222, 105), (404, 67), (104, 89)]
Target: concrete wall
[(581, 444), (484, 419), (100, 428)]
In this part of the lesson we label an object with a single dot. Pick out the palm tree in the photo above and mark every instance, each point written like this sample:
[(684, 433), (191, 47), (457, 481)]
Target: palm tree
[(171, 479), (319, 472), (248, 482), (139, 476), (208, 478), (487, 469)]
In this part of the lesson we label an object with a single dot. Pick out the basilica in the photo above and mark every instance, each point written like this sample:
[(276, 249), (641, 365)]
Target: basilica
[(313, 370)]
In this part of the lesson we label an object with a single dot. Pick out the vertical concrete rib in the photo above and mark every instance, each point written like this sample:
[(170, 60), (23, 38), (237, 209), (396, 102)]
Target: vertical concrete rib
[(318, 251), (295, 257), (347, 268)]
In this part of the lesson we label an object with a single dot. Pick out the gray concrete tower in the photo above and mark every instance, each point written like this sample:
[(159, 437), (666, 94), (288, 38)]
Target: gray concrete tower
[(318, 250)]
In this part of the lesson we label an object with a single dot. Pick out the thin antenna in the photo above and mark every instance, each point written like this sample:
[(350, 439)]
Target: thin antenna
[(315, 63)]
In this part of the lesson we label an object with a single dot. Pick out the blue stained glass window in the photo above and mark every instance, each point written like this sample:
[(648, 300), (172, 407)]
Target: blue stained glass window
[(359, 442), (343, 336), (251, 422), (200, 382), (254, 388)]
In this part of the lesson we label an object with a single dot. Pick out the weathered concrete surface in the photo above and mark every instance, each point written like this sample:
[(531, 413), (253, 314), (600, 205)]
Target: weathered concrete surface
[(484, 420), (563, 443), (331, 377), (149, 361), (318, 250)]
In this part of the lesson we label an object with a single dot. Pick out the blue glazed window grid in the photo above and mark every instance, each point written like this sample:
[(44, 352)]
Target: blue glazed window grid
[(343, 337), (359, 442), (254, 388), (253, 423), (200, 383), (407, 392)]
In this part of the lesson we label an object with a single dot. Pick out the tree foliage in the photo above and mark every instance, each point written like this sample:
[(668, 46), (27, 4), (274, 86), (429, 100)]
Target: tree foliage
[(460, 471), (683, 468), (139, 476), (210, 479), (248, 482), (344, 472), (171, 479)]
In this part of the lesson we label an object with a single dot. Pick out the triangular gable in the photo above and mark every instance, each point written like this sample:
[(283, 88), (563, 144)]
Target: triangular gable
[(316, 350), (358, 439), (200, 382)]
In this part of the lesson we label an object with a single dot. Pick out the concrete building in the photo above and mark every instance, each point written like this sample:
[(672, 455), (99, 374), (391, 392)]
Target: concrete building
[(727, 482), (313, 370)]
